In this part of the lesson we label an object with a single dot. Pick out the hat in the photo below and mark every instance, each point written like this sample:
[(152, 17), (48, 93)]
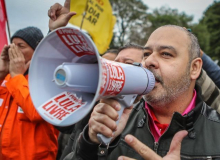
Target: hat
[(31, 35)]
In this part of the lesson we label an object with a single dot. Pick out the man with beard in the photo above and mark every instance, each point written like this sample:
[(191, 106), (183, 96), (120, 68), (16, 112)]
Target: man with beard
[(172, 89), (173, 55)]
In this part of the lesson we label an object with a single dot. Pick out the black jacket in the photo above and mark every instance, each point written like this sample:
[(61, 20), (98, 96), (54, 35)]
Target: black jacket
[(202, 142)]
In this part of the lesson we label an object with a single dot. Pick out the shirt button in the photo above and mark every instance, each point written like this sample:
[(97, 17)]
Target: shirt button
[(0, 125), (6, 107)]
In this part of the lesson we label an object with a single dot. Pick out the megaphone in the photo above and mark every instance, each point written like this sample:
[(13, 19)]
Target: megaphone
[(67, 76)]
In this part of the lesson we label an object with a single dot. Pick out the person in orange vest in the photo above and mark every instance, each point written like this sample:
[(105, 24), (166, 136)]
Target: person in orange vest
[(24, 134)]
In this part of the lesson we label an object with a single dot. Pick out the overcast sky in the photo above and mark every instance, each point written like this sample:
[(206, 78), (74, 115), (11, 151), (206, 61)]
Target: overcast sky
[(23, 13)]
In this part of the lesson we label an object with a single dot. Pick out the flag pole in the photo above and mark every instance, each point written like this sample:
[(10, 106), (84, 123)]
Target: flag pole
[(6, 16), (84, 15)]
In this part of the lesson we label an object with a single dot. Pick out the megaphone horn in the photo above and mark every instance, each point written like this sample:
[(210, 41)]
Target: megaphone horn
[(67, 76)]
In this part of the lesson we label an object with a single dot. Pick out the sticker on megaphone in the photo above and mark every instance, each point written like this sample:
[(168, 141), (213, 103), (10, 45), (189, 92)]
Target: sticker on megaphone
[(113, 78), (61, 106), (75, 42)]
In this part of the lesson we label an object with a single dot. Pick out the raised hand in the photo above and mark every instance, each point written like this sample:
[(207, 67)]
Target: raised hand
[(59, 15), (4, 62), (148, 154), (17, 63), (103, 119)]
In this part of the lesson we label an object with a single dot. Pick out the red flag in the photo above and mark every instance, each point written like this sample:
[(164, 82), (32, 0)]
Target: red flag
[(3, 26)]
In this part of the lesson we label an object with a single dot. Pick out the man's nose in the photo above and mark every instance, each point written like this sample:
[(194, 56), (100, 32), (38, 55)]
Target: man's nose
[(151, 61)]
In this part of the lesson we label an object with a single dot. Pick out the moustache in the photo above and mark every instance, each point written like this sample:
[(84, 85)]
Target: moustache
[(158, 78)]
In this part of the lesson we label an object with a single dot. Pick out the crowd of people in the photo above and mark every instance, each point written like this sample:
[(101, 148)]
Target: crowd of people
[(178, 119)]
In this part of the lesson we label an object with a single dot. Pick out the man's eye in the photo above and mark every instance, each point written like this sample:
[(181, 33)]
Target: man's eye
[(166, 54), (128, 62), (146, 54), (21, 47)]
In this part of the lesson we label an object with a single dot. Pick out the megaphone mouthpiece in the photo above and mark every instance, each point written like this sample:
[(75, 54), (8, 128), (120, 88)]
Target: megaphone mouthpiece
[(74, 76)]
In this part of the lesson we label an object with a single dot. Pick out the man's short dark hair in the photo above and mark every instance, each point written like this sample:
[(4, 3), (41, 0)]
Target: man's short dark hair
[(115, 51), (131, 45)]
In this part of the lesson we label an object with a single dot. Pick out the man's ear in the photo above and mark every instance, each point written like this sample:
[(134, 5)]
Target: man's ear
[(196, 67)]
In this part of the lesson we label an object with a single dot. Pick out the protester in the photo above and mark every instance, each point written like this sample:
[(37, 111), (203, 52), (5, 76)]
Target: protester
[(172, 54), (212, 69), (210, 92), (24, 134), (110, 54), (86, 120), (130, 53)]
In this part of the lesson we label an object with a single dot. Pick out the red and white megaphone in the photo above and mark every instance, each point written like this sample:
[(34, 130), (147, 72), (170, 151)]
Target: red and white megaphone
[(67, 76)]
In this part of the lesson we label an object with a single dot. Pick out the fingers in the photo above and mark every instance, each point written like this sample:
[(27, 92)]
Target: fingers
[(67, 4), (176, 142), (4, 53), (148, 154), (95, 128), (108, 107), (18, 52), (103, 119), (141, 148), (125, 158), (53, 10), (69, 15), (11, 52), (14, 52), (115, 104), (5, 49), (27, 65), (17, 61)]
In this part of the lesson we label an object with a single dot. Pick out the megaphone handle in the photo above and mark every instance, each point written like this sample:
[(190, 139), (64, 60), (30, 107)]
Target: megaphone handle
[(125, 101)]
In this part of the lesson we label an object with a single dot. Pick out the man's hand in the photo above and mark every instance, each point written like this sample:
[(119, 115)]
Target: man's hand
[(148, 154), (4, 62), (103, 119), (59, 15), (17, 61)]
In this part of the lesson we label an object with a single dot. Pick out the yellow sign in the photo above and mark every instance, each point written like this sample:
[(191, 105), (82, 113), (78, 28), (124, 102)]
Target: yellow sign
[(98, 22)]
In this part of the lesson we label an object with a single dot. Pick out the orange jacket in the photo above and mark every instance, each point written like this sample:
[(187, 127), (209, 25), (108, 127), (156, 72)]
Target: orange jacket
[(24, 134)]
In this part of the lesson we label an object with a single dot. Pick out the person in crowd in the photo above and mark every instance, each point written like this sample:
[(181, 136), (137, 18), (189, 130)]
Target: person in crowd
[(205, 78), (173, 55), (24, 134), (130, 53), (110, 54), (212, 69)]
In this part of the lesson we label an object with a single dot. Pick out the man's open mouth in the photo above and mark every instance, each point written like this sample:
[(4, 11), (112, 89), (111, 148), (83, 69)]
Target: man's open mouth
[(157, 80)]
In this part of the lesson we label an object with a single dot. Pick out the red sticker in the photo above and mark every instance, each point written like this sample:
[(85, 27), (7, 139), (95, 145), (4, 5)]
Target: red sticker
[(116, 79), (104, 75), (75, 41), (61, 106)]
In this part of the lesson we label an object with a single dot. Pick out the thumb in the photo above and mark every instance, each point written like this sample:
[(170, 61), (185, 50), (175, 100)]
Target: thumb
[(67, 4), (69, 15), (27, 65), (176, 142)]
